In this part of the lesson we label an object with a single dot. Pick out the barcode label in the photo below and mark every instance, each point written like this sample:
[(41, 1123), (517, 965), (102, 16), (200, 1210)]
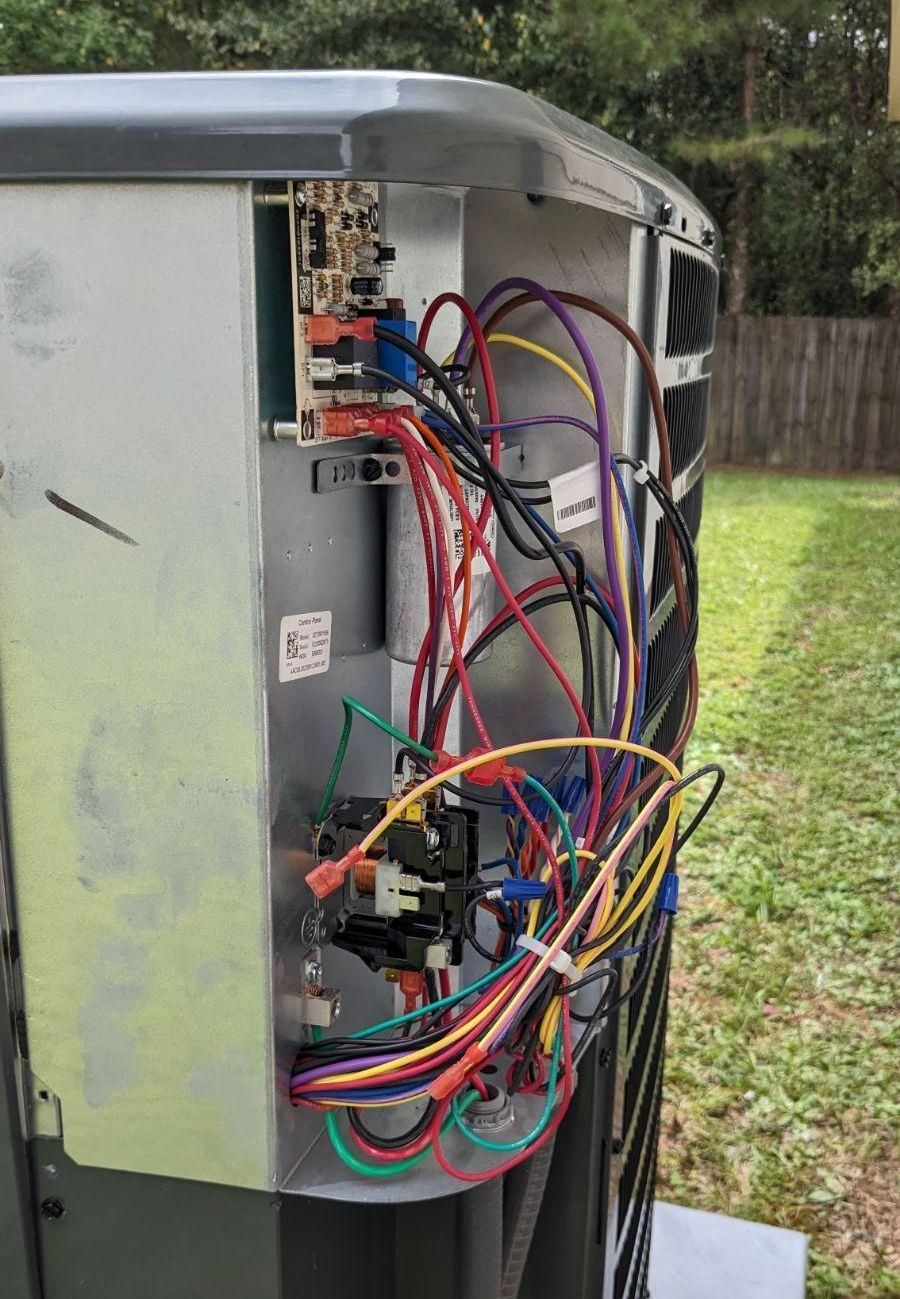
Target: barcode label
[(575, 497)]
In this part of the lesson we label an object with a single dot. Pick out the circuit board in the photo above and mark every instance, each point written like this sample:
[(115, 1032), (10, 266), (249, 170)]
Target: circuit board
[(338, 265)]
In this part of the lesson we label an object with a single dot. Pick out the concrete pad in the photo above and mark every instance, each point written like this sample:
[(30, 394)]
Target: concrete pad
[(697, 1255)]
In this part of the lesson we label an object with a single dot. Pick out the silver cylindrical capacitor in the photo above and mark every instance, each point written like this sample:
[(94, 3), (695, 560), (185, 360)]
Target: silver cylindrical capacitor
[(406, 620)]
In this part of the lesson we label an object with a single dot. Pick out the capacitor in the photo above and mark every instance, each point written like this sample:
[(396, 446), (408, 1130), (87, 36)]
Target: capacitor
[(366, 286), (406, 621)]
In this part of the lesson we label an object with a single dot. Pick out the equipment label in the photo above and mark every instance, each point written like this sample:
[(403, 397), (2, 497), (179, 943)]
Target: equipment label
[(473, 498), (575, 496), (305, 645)]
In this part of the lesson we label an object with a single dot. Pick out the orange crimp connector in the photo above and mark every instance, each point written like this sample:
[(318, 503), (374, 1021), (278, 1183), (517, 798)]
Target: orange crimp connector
[(488, 773), (329, 875), (454, 1077), (324, 331)]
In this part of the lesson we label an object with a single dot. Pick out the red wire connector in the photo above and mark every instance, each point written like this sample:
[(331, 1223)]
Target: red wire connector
[(344, 421), (453, 1078), (380, 422), (329, 875), (488, 773), (361, 417), (325, 331), (412, 985)]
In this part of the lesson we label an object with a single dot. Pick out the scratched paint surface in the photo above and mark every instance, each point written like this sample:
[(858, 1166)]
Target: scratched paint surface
[(129, 673)]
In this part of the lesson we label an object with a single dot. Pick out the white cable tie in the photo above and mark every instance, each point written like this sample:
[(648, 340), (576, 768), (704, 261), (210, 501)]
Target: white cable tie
[(642, 473), (562, 962)]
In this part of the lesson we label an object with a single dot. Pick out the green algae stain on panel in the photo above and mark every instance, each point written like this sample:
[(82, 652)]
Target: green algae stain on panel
[(131, 700)]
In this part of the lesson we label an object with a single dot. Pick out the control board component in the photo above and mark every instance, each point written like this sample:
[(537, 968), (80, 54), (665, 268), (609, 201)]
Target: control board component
[(339, 268), (403, 903)]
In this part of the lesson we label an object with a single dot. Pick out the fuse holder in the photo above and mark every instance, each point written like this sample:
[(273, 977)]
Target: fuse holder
[(325, 331), (329, 875), (453, 1078)]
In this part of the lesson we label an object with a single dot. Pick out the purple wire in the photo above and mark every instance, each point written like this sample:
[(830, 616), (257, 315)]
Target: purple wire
[(541, 419), (345, 1066), (568, 322)]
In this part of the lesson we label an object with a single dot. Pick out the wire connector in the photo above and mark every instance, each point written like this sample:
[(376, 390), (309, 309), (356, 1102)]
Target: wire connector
[(488, 773), (522, 890), (380, 424), (329, 875), (453, 1078), (324, 331), (667, 900), (562, 962)]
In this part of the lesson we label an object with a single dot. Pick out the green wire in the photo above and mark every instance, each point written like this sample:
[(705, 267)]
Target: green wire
[(560, 815), (352, 706), (457, 1112), (352, 1160)]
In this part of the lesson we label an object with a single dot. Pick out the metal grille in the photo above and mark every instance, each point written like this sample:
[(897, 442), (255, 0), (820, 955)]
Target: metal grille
[(686, 407), (691, 505), (693, 290)]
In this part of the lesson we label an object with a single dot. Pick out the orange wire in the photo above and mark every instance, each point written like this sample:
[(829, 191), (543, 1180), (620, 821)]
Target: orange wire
[(466, 565)]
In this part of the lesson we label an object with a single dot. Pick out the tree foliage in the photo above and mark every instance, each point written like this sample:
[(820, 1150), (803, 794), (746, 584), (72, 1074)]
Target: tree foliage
[(772, 110)]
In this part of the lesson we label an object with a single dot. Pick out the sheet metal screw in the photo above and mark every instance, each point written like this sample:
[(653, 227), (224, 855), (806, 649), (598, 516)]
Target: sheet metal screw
[(53, 1209), (667, 213)]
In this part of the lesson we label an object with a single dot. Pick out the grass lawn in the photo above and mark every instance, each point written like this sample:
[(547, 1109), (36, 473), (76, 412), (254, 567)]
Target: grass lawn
[(781, 1088)]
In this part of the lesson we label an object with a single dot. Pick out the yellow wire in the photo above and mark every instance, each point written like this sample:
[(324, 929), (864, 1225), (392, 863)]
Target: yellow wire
[(583, 387), (527, 346), (571, 373)]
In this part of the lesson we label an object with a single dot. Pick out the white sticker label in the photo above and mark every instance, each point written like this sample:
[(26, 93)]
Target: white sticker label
[(305, 645), (576, 497), (473, 499)]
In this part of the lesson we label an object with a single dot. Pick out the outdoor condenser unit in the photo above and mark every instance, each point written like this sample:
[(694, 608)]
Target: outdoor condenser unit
[(193, 571)]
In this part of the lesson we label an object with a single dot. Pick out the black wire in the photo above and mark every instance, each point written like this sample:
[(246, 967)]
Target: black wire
[(557, 553), (402, 1139)]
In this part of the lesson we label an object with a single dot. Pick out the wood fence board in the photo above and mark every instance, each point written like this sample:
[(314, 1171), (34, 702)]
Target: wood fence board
[(806, 393)]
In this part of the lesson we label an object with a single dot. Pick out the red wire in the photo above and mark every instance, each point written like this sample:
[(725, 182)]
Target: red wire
[(395, 430), (522, 1155), (411, 445)]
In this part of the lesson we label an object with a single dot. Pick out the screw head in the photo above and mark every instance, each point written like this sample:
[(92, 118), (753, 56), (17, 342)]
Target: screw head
[(313, 971), (432, 838), (667, 212), (53, 1209), (371, 470)]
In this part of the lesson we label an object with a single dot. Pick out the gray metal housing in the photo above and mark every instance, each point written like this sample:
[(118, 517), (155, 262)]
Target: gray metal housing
[(160, 778)]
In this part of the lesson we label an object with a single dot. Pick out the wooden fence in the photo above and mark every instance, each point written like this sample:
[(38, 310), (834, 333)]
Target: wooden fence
[(806, 393)]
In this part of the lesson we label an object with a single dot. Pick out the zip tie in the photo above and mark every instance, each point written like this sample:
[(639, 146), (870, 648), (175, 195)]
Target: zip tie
[(642, 473), (562, 962)]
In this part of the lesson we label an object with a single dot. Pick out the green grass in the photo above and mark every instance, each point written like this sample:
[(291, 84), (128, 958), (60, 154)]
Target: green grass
[(781, 1088)]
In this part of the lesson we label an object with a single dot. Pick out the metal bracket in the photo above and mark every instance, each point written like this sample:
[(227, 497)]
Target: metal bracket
[(370, 469), (45, 1109)]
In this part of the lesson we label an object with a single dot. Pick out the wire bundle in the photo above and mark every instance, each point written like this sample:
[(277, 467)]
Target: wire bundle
[(590, 847)]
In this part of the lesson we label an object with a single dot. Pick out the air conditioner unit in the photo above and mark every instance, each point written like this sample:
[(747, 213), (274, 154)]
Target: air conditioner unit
[(210, 514)]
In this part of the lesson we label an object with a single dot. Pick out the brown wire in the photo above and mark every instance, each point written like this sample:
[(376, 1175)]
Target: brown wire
[(665, 474)]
